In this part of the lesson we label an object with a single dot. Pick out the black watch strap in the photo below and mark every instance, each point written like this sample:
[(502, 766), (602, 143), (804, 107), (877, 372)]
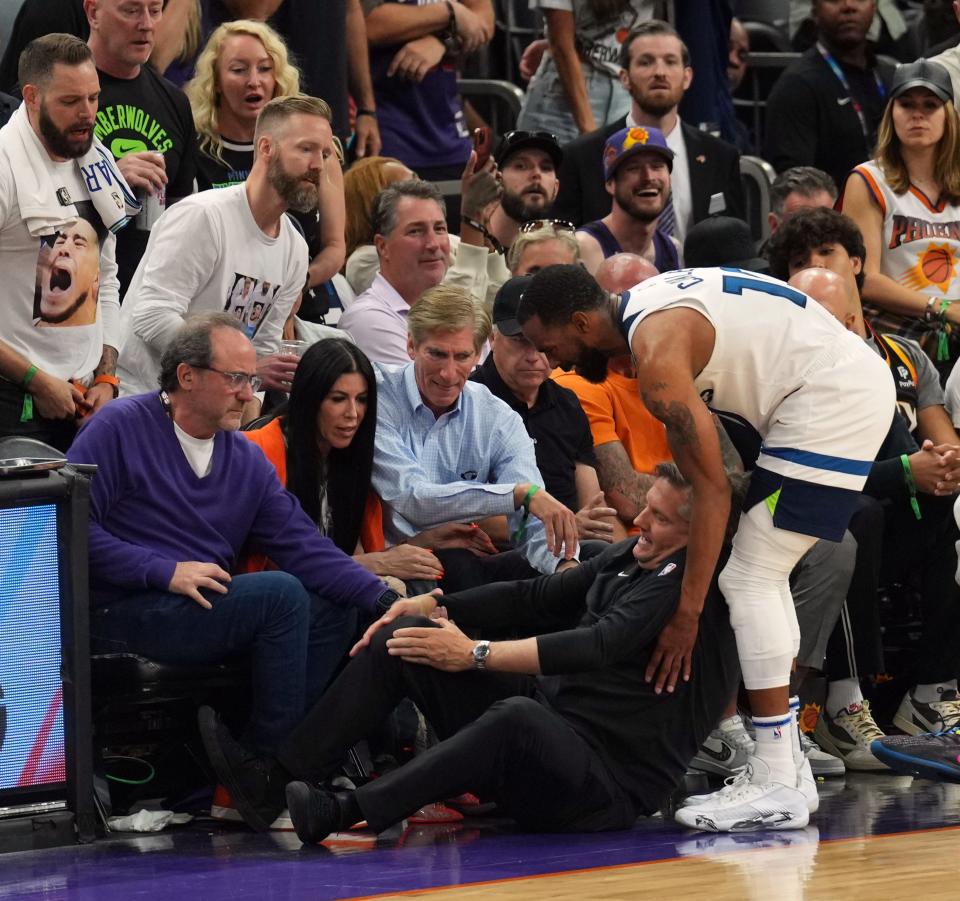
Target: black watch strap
[(386, 600)]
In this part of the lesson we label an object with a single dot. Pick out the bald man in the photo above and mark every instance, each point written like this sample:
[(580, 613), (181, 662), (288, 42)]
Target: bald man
[(622, 271)]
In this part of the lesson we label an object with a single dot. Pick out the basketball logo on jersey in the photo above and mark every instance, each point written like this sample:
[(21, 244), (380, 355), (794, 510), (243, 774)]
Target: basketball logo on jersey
[(935, 267)]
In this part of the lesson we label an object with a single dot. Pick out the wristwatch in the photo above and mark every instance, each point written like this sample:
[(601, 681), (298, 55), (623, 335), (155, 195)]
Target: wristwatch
[(481, 650), (386, 600)]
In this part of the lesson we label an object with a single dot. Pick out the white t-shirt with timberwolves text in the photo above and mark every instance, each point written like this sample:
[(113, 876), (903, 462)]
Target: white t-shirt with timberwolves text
[(207, 254)]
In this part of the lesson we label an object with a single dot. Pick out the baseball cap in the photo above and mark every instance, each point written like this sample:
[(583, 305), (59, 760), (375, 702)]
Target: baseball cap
[(922, 73), (513, 141), (627, 142), (506, 303), (722, 241)]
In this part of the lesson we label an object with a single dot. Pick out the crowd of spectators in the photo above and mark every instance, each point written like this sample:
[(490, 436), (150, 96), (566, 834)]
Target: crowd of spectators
[(191, 191)]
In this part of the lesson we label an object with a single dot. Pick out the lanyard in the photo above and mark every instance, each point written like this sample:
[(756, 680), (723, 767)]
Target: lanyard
[(842, 78)]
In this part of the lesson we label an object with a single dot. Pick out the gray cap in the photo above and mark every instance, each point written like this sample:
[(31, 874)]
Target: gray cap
[(922, 73)]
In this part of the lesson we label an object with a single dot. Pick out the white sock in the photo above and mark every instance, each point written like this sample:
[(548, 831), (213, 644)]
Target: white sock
[(928, 694), (775, 746), (842, 694), (798, 757)]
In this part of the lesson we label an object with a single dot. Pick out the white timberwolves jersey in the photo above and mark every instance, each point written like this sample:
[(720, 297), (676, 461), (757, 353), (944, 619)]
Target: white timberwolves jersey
[(769, 336), (783, 368)]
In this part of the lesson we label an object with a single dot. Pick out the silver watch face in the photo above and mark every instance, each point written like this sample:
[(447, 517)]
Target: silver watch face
[(480, 652)]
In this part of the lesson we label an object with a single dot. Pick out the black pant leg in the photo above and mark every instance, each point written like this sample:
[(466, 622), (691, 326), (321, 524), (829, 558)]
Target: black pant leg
[(520, 753), (463, 570), (370, 686), (855, 648), (933, 550)]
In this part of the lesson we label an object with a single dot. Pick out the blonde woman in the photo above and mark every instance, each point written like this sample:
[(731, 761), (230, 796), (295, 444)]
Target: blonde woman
[(244, 65), (906, 202)]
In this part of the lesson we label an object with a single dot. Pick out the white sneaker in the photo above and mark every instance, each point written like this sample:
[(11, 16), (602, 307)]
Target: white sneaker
[(849, 734), (915, 717), (807, 784), (725, 751), (821, 762), (749, 802)]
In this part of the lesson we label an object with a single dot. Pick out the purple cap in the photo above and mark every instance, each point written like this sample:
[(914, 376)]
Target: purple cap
[(629, 141)]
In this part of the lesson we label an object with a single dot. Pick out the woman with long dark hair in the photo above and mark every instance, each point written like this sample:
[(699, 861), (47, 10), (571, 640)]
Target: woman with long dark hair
[(321, 443)]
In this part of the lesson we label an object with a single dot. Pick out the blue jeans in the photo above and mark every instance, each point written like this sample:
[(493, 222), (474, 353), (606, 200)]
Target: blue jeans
[(296, 641), (546, 107)]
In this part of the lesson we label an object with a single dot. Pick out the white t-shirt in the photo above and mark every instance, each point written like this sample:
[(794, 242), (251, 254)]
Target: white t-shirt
[(198, 451), (60, 291), (202, 254)]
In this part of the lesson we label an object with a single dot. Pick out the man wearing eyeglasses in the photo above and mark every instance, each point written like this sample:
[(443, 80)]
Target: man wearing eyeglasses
[(215, 250), (176, 498)]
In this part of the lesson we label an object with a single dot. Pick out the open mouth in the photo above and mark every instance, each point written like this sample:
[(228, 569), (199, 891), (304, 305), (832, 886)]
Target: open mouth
[(253, 99), (60, 279), (650, 193)]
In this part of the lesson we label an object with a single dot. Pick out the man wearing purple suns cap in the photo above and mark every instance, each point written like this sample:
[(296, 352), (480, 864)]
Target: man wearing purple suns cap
[(636, 170), (816, 405)]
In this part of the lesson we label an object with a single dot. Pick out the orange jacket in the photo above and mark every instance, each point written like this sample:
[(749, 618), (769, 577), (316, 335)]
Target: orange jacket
[(270, 440)]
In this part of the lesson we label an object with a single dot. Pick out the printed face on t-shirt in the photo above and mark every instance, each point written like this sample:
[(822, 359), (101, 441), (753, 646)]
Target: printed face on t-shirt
[(68, 277), (250, 301)]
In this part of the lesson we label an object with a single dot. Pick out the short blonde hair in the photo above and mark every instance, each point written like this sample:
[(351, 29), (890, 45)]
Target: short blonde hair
[(278, 110), (946, 168), (204, 93), (538, 236), (447, 309)]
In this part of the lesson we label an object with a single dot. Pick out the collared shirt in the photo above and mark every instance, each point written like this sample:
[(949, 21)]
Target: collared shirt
[(462, 465), (557, 425), (377, 322), (680, 191)]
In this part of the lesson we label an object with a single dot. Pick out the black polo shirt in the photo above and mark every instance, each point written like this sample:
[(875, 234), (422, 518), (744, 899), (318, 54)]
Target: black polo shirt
[(811, 120), (558, 426)]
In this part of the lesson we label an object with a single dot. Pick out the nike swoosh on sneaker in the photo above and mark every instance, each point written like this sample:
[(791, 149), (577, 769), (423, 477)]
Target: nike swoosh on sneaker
[(718, 755), (843, 101)]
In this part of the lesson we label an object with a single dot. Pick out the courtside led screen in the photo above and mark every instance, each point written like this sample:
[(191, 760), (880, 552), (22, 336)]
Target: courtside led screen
[(31, 692)]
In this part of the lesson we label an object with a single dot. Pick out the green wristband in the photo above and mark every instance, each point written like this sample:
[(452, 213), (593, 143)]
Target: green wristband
[(531, 491), (911, 485), (521, 532), (30, 373)]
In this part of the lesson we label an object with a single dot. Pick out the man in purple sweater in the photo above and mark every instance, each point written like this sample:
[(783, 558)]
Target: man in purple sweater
[(176, 497)]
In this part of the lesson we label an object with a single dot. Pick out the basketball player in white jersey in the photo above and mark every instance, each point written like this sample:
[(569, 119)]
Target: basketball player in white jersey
[(767, 357)]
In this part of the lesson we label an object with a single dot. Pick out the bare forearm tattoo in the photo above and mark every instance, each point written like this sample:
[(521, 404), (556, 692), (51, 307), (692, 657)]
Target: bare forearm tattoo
[(108, 361), (615, 473), (676, 416)]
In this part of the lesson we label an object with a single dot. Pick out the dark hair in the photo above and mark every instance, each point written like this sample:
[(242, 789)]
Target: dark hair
[(38, 58), (348, 469), (557, 292), (810, 229), (652, 28), (192, 345), (383, 216), (803, 180)]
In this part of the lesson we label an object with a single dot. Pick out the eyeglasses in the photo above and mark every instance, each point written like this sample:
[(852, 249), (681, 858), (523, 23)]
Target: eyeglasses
[(237, 381), (560, 225)]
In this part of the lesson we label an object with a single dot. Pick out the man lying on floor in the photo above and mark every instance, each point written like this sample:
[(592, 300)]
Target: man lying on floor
[(564, 729)]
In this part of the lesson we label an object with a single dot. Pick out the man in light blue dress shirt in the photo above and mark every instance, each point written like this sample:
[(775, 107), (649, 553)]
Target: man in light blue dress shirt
[(447, 451)]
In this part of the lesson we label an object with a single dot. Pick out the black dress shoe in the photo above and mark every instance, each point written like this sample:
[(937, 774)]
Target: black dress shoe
[(315, 813), (255, 783)]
